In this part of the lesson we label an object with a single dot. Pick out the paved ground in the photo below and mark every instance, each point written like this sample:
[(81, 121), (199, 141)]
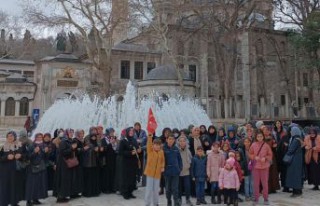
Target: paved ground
[(309, 198)]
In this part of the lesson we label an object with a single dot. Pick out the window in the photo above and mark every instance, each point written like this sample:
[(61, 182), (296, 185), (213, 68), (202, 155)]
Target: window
[(125, 70), (138, 70), (211, 70), (150, 66), (24, 107), (305, 80), (239, 70), (10, 107), (193, 72), (28, 74), (283, 100), (180, 48), (259, 47), (15, 71)]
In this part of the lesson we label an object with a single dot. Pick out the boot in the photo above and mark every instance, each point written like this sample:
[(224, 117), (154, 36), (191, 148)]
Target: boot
[(161, 192), (189, 202), (219, 198), (225, 200), (169, 203), (213, 200), (29, 203), (236, 203)]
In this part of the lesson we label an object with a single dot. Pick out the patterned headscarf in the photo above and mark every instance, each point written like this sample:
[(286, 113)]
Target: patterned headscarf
[(11, 146)]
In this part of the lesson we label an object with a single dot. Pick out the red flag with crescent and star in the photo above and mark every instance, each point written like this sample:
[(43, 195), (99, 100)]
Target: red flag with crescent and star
[(152, 123)]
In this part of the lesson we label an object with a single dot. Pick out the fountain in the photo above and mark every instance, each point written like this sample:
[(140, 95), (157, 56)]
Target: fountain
[(84, 112)]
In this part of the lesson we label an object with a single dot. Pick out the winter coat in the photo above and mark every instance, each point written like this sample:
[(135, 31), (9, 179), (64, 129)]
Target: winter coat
[(155, 161), (228, 179), (173, 161), (215, 161), (265, 152), (186, 161), (295, 174), (198, 168), (311, 153)]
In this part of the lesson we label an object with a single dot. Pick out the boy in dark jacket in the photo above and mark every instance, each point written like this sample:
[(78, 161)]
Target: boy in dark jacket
[(199, 174), (173, 167)]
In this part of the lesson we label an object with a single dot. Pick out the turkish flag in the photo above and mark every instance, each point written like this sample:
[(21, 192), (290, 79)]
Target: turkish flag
[(152, 123)]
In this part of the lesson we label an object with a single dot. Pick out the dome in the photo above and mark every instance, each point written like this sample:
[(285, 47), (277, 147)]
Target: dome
[(164, 72)]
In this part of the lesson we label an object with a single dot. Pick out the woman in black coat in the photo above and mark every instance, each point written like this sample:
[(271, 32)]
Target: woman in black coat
[(51, 159), (12, 183), (129, 149), (91, 168), (64, 175), (295, 170), (111, 155), (37, 182)]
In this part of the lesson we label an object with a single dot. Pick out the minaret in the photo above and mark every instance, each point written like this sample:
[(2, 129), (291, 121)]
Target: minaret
[(120, 20)]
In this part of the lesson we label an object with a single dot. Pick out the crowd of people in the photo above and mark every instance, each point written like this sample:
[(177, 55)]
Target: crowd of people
[(251, 159)]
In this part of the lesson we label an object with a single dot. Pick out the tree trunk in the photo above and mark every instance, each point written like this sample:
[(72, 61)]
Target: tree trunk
[(105, 68)]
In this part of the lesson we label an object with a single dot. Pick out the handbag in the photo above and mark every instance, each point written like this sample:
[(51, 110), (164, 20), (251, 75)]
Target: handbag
[(72, 162), (252, 163)]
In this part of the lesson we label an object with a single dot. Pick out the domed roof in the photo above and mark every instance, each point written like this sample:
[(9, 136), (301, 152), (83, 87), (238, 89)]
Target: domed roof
[(164, 72)]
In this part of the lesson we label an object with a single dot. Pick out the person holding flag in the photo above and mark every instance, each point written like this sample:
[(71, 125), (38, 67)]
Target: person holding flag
[(155, 163)]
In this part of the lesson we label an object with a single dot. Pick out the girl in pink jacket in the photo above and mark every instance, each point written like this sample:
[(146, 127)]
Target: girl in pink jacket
[(260, 155), (215, 162), (229, 182)]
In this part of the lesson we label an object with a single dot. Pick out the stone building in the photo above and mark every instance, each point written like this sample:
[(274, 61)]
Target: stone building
[(18, 89), (266, 82)]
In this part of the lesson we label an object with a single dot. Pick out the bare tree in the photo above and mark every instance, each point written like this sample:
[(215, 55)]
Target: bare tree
[(84, 16), (294, 12)]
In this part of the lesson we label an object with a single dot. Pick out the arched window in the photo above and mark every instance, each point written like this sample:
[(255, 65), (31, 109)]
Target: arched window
[(24, 107), (10, 107)]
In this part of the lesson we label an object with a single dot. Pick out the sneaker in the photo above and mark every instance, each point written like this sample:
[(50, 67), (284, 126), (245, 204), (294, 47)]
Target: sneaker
[(266, 202), (198, 202), (315, 188)]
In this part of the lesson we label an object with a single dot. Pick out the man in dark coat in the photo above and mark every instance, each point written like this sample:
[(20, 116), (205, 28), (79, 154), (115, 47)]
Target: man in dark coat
[(295, 171), (129, 150)]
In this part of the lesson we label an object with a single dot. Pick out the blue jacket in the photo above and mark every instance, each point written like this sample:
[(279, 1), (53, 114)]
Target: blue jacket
[(199, 168), (173, 161)]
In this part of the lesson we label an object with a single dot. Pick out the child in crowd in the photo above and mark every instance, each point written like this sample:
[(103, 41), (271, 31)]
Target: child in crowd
[(248, 178), (261, 154), (215, 162), (173, 167), (229, 182), (185, 179), (225, 149), (154, 167), (199, 175)]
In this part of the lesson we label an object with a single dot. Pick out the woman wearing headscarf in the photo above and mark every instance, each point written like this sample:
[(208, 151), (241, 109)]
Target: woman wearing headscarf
[(37, 182), (64, 173), (91, 168), (312, 146), (11, 191), (295, 170), (77, 172), (50, 160), (111, 153), (129, 149)]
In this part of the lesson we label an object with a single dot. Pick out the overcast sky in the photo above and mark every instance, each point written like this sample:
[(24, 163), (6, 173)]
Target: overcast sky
[(10, 6)]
